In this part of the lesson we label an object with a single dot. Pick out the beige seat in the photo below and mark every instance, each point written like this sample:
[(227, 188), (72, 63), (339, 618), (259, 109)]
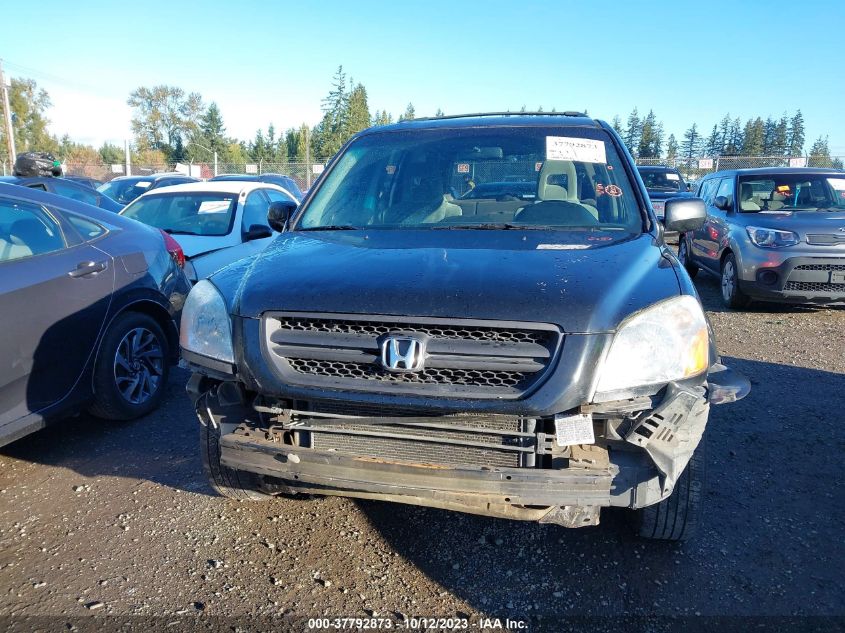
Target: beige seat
[(424, 203), (567, 208), (746, 198), (777, 201)]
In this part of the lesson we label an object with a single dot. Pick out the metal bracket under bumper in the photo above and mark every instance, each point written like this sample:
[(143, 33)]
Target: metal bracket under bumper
[(488, 491)]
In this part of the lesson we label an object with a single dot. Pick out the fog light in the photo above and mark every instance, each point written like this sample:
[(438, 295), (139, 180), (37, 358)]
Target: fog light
[(768, 277)]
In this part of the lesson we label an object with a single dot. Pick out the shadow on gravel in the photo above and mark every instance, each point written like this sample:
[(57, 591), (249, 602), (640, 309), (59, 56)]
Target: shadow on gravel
[(162, 447), (773, 510)]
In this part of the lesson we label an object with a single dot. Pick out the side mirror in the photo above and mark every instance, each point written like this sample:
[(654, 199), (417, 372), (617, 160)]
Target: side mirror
[(257, 232), (684, 214), (723, 203), (279, 214)]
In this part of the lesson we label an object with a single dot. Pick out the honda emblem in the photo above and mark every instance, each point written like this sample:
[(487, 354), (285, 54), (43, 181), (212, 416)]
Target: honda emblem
[(402, 354)]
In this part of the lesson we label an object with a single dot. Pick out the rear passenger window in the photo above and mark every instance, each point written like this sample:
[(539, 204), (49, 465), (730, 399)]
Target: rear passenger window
[(27, 230), (86, 228), (76, 193)]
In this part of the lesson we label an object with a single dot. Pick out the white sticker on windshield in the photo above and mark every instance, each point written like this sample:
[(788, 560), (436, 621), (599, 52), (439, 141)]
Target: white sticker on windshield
[(671, 176), (143, 184), (837, 183), (583, 150), (214, 206), (574, 429), (561, 247)]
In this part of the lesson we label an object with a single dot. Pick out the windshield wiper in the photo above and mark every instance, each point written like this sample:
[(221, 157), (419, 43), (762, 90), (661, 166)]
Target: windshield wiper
[(489, 226), (176, 232), (332, 227)]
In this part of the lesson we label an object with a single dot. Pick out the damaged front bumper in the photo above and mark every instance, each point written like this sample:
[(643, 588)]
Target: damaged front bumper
[(642, 446)]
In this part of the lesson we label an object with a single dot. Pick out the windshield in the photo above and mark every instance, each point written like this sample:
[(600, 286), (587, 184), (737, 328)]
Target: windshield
[(125, 191), (792, 192), (663, 180), (186, 213), (571, 178)]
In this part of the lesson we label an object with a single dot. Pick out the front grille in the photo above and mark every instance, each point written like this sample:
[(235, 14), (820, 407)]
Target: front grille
[(427, 376), (826, 239), (809, 286), (827, 267), (464, 358), (494, 441)]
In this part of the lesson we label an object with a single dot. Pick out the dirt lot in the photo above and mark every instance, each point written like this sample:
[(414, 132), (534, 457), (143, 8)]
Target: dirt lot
[(118, 517)]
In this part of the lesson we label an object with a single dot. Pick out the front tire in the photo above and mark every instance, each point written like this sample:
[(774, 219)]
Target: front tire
[(130, 374), (732, 296), (683, 256), (234, 484), (676, 517)]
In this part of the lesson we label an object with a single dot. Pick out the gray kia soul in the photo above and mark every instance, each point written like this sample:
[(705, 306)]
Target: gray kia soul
[(534, 357)]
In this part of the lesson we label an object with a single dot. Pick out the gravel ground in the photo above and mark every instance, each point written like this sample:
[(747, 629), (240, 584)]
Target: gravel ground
[(117, 519)]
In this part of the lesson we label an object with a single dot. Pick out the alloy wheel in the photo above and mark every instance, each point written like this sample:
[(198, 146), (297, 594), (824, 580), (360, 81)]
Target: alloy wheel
[(138, 365), (728, 281)]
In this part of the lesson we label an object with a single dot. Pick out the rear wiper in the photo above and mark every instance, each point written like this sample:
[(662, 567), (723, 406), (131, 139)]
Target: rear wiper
[(332, 227)]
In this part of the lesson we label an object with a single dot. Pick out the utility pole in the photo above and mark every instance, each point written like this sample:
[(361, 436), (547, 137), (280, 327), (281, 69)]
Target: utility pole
[(7, 111), (128, 164), (307, 157)]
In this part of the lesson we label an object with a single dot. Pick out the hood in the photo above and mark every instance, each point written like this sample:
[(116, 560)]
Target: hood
[(193, 245), (657, 194), (801, 222), (507, 275)]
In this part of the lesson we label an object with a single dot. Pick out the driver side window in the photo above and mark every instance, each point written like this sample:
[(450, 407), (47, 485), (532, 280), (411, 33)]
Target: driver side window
[(255, 209)]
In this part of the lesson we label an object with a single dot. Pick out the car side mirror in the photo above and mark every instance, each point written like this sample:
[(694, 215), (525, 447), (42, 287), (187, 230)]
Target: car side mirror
[(257, 232), (723, 203), (279, 214), (684, 214)]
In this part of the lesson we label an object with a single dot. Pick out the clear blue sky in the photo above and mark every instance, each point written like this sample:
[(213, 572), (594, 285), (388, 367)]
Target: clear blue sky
[(263, 62)]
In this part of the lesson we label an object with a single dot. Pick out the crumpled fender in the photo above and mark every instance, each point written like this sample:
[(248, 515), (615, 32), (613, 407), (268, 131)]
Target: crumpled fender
[(671, 432)]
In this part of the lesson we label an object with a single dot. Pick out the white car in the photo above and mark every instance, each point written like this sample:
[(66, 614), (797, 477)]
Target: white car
[(215, 223)]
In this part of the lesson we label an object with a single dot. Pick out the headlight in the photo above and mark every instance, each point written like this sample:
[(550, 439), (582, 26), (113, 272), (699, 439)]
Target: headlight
[(667, 341), (771, 238), (206, 327)]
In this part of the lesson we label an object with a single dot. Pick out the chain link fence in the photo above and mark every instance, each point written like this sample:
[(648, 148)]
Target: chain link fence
[(694, 168), (303, 173)]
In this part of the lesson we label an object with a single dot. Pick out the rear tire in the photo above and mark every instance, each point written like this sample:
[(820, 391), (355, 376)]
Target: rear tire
[(732, 296), (227, 482), (132, 367), (676, 517), (683, 257)]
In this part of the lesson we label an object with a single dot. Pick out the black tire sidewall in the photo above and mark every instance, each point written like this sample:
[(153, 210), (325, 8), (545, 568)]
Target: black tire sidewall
[(683, 256), (737, 299), (108, 401)]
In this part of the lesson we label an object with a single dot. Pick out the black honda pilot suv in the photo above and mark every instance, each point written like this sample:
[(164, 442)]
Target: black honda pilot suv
[(537, 354)]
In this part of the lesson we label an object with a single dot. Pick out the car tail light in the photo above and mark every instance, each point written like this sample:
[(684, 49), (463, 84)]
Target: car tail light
[(174, 249)]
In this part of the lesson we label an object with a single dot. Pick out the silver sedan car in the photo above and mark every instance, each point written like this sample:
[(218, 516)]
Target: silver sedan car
[(775, 234)]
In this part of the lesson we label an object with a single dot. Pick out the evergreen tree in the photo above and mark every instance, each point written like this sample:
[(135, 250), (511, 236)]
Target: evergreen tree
[(671, 149), (272, 156), (382, 118), (617, 125), (769, 126), (258, 147), (439, 113), (111, 154), (780, 136), (734, 143), (649, 141), (358, 116), (713, 145), (330, 133), (753, 137), (633, 132), (409, 113), (795, 135), (691, 145), (820, 154)]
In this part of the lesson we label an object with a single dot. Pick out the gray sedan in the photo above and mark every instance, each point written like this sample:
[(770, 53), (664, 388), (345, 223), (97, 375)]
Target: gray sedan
[(774, 234), (90, 306)]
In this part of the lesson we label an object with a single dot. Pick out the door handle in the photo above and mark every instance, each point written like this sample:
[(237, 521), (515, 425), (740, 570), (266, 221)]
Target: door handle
[(87, 268)]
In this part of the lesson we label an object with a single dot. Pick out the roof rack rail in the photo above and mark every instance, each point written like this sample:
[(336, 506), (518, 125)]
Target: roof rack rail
[(572, 113)]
